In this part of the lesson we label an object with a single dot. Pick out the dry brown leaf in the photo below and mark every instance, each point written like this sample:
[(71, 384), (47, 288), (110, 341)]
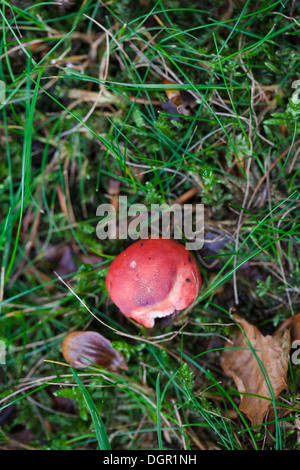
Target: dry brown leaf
[(242, 365), (293, 325), (173, 95)]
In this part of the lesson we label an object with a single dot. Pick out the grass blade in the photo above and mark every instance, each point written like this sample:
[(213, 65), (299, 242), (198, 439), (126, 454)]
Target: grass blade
[(96, 418)]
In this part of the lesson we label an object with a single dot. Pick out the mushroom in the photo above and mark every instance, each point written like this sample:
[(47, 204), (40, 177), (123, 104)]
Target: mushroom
[(153, 278)]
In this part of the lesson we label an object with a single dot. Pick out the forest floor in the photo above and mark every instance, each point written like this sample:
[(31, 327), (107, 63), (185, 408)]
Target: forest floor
[(161, 103)]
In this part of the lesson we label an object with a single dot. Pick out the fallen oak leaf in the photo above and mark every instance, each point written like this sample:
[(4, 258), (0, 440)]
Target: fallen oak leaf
[(258, 364)]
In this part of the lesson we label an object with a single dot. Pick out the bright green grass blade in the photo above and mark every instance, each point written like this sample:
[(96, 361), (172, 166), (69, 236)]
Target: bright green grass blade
[(158, 404), (97, 421)]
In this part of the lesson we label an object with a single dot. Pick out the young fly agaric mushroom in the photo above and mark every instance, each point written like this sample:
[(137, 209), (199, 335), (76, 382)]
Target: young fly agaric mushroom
[(152, 278)]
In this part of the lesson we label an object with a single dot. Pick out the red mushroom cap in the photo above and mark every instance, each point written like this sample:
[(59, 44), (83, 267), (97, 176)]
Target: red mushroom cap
[(152, 278)]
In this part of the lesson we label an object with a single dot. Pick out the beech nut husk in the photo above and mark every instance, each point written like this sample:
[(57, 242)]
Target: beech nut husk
[(95, 349)]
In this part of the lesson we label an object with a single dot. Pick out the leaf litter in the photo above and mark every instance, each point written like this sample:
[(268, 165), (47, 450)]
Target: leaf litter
[(258, 365)]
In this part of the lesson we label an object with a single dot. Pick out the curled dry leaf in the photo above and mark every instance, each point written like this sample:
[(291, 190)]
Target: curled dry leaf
[(293, 325), (247, 372), (178, 102), (95, 349), (173, 95)]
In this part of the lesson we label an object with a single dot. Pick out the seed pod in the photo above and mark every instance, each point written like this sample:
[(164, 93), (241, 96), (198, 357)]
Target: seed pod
[(94, 348)]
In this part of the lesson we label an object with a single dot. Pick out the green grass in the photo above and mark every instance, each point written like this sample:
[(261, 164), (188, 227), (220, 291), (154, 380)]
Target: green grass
[(59, 151)]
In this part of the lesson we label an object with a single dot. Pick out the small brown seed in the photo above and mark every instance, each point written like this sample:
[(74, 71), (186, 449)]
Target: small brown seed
[(84, 348)]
